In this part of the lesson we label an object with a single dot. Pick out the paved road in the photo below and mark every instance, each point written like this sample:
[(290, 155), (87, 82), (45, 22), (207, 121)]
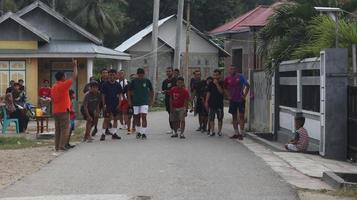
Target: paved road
[(198, 168)]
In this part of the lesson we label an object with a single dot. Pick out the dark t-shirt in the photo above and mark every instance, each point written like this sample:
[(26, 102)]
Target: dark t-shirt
[(91, 101), (216, 98), (111, 92), (201, 88), (167, 84), (193, 84), (140, 89)]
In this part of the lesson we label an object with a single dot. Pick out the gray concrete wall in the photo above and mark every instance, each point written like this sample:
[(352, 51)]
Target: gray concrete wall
[(261, 116)]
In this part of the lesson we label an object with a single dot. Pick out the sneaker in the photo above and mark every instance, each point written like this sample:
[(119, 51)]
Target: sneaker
[(69, 146), (170, 132), (199, 129), (240, 137), (212, 134), (107, 132), (182, 136), (116, 137), (89, 140), (220, 134), (125, 127), (138, 135), (208, 133), (203, 130), (174, 135), (94, 132), (102, 137), (121, 127), (143, 136), (235, 136)]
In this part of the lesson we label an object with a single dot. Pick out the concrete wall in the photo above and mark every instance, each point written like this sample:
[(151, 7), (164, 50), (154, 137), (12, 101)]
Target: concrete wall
[(261, 103), (244, 41)]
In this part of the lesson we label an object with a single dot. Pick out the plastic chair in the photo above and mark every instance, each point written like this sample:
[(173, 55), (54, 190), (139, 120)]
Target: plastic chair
[(6, 121)]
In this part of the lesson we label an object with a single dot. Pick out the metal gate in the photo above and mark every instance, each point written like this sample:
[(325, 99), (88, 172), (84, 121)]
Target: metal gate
[(352, 122)]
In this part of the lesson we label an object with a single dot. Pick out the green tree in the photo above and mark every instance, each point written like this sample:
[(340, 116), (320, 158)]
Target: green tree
[(288, 29)]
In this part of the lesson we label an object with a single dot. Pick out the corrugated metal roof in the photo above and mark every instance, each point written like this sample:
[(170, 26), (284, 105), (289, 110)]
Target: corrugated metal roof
[(72, 48), (256, 17), (140, 35)]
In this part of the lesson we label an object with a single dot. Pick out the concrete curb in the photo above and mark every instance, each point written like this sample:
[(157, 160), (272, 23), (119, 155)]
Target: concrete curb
[(266, 143)]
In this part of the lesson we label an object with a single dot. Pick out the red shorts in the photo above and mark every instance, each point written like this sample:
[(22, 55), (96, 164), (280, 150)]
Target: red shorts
[(124, 105)]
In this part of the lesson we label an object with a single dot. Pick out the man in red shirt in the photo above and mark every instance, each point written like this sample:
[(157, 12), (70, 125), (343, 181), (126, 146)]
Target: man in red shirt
[(45, 94), (179, 104), (62, 106)]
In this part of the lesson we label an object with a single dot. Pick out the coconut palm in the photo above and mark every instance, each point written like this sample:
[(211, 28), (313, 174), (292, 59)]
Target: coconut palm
[(288, 29), (93, 15)]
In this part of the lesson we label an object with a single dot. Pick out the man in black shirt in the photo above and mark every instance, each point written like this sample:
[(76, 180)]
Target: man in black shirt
[(167, 84), (214, 102), (111, 94)]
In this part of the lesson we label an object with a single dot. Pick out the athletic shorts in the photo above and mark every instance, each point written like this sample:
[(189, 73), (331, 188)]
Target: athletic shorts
[(141, 109), (110, 111), (178, 115), (215, 111), (72, 125), (200, 108), (90, 112), (124, 105), (234, 107)]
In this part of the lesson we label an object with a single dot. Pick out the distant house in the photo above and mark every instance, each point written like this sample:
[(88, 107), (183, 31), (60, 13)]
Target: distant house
[(204, 54), (36, 42), (239, 37)]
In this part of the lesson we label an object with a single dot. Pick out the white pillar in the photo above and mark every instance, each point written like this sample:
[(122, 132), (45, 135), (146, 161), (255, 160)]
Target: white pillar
[(119, 65), (89, 68)]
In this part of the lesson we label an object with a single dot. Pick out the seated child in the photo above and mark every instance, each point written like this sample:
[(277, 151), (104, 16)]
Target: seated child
[(301, 141)]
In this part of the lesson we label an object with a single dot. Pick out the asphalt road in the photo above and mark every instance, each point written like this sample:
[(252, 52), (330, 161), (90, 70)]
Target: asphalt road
[(197, 168)]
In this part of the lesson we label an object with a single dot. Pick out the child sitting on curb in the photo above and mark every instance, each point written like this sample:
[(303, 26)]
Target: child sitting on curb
[(301, 141)]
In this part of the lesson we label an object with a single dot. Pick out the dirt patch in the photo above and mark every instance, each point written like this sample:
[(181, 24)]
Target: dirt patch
[(18, 163)]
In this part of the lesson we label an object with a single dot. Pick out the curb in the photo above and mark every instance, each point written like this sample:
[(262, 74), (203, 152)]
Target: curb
[(266, 143)]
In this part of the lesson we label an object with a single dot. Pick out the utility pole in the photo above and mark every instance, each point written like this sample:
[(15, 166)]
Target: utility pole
[(178, 34), (188, 29), (155, 32), (54, 4)]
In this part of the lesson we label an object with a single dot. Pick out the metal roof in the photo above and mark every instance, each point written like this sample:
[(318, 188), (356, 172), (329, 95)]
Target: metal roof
[(64, 49), (24, 24), (69, 23), (143, 33), (254, 18), (140, 35)]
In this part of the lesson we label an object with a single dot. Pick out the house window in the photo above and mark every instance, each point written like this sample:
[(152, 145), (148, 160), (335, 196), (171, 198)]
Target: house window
[(206, 62), (198, 62), (11, 70)]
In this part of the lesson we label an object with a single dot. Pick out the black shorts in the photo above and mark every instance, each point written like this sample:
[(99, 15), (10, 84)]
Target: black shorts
[(91, 114), (167, 105), (215, 111), (200, 108), (130, 110), (111, 111), (234, 107)]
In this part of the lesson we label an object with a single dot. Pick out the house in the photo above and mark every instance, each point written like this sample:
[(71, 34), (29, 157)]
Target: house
[(204, 54), (37, 41), (239, 37)]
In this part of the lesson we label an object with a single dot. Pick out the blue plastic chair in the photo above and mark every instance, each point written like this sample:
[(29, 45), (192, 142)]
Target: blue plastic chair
[(6, 121)]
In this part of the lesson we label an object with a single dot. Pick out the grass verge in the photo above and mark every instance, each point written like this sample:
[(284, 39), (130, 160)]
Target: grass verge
[(344, 192), (20, 143)]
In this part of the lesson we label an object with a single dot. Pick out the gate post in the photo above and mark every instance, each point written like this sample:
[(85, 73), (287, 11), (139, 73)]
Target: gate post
[(333, 100)]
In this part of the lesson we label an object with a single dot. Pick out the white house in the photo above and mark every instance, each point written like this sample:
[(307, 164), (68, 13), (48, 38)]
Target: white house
[(204, 54)]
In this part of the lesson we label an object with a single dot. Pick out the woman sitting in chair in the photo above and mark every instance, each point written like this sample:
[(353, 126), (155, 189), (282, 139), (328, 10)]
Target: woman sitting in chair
[(15, 112)]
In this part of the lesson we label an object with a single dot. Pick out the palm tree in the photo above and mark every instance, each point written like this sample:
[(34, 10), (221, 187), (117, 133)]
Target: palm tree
[(288, 29), (93, 15)]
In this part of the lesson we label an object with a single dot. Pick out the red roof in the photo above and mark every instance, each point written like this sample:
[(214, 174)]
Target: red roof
[(253, 18)]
